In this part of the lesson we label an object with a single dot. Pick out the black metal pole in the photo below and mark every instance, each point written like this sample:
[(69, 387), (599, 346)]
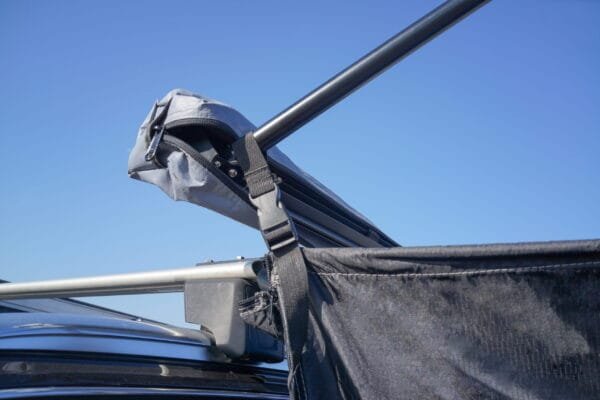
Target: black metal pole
[(359, 73)]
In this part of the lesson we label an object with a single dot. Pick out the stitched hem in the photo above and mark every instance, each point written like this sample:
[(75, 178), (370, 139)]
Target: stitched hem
[(253, 310), (470, 272)]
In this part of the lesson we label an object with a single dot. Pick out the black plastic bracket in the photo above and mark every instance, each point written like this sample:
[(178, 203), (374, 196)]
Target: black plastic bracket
[(275, 224), (214, 305)]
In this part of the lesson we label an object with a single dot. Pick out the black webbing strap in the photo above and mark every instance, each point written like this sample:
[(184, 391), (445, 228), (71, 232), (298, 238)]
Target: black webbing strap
[(275, 225), (289, 274)]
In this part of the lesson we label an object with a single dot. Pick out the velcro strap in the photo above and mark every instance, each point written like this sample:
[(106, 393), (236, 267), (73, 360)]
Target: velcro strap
[(276, 227), (292, 291), (256, 170), (289, 274)]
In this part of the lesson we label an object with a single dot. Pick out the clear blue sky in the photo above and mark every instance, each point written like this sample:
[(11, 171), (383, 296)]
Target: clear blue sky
[(490, 133)]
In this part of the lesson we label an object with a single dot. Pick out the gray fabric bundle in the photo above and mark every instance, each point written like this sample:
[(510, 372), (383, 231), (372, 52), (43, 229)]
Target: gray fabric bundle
[(184, 178)]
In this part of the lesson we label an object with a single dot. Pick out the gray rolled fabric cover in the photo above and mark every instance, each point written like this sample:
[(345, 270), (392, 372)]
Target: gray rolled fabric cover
[(184, 178), (511, 321)]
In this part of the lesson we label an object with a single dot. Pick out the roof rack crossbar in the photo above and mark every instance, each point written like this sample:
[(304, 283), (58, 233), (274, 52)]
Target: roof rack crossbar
[(212, 294), (160, 281), (363, 70)]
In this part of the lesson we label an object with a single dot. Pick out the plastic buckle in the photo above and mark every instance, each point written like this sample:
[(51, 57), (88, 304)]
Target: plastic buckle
[(276, 226)]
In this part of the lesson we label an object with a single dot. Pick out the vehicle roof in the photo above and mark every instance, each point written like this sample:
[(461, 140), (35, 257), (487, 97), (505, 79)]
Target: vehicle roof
[(60, 354), (24, 331), (92, 333)]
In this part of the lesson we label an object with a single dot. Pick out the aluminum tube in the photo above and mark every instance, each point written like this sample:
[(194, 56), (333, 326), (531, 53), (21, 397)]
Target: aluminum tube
[(362, 71), (168, 280)]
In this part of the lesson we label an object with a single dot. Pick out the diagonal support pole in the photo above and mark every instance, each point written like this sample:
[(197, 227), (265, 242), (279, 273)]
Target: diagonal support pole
[(363, 70)]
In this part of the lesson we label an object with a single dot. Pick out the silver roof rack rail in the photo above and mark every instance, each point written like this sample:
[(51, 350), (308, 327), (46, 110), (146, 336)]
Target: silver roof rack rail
[(160, 281), (212, 292)]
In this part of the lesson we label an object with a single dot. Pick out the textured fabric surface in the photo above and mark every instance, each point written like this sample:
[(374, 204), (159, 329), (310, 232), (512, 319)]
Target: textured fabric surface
[(515, 321)]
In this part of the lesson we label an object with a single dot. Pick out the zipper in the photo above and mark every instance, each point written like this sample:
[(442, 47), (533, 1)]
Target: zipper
[(153, 146), (150, 154), (228, 130), (179, 145)]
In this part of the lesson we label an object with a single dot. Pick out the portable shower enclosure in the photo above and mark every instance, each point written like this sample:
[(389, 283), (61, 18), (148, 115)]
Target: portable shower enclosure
[(360, 316)]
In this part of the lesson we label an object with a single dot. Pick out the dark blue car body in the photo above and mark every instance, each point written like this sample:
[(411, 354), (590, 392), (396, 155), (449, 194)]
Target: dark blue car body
[(59, 348)]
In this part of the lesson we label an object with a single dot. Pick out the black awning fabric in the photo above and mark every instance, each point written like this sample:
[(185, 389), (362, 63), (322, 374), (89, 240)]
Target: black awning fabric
[(514, 321)]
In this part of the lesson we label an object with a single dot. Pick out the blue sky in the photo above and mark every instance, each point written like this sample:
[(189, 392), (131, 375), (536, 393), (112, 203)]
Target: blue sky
[(490, 133)]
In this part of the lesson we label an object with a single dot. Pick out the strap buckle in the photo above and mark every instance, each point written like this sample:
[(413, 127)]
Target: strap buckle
[(277, 228)]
